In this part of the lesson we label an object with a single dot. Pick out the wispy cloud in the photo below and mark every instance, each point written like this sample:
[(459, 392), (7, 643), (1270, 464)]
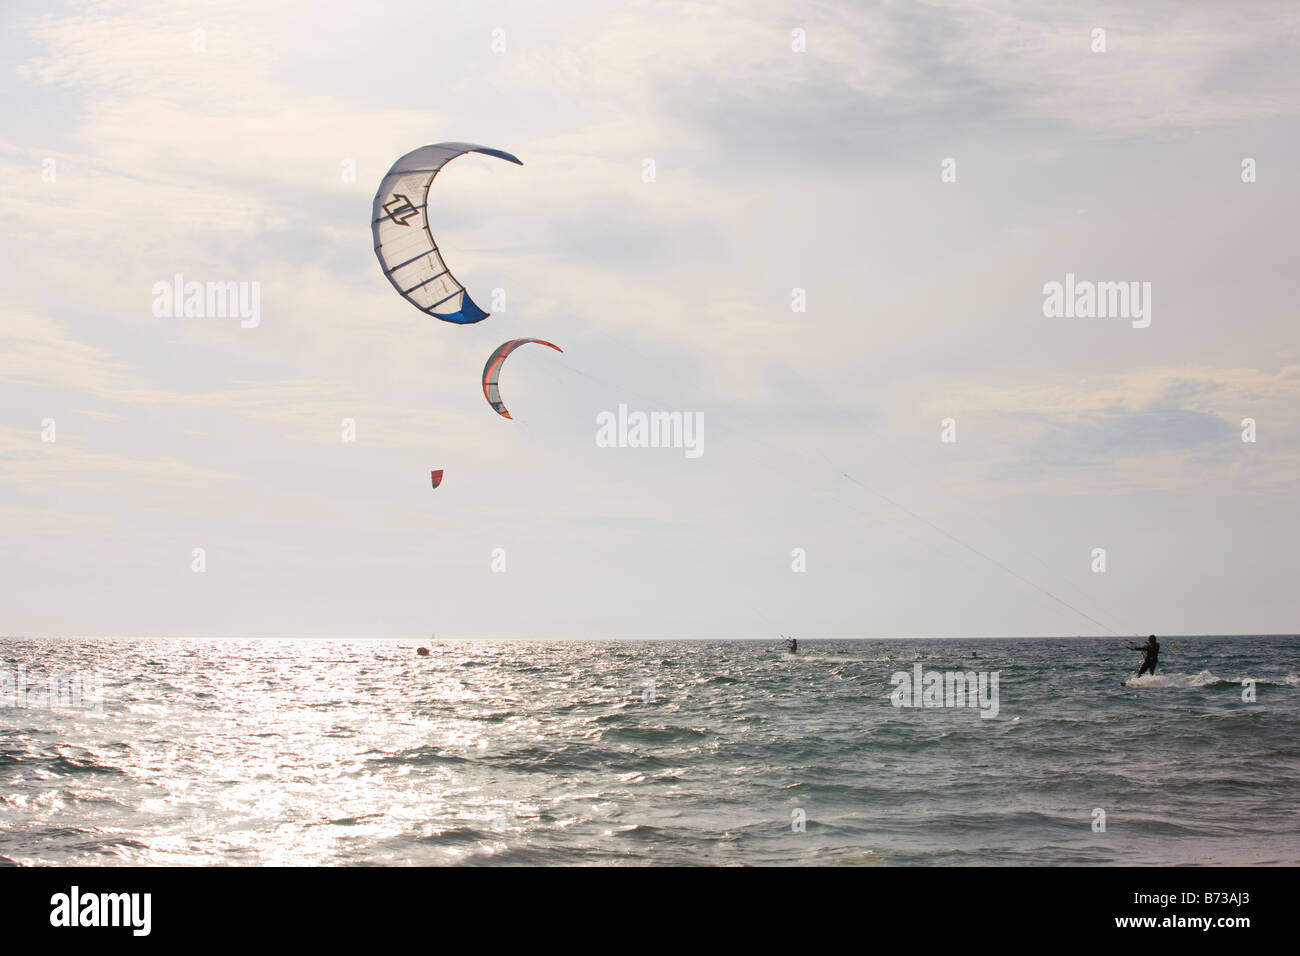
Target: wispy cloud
[(248, 151)]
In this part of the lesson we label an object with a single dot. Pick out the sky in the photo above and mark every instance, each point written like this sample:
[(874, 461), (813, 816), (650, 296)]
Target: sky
[(821, 228)]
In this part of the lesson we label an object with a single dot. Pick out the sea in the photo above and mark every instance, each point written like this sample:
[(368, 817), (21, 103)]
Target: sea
[(983, 752)]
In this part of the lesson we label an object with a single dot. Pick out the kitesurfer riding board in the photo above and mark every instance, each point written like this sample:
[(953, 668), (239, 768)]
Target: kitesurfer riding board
[(1150, 657)]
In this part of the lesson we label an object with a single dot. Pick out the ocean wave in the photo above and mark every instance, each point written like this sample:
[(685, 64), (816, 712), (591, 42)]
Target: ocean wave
[(655, 735), (419, 756), (1208, 679), (63, 764), (562, 761)]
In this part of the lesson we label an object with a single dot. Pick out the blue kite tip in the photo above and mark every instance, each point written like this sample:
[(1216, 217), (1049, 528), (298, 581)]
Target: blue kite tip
[(467, 314), (499, 154)]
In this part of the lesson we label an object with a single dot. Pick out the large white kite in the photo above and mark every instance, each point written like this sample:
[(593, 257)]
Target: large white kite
[(400, 223)]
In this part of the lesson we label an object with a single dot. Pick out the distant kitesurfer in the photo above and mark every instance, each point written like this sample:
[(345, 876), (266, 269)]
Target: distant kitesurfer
[(1150, 655), (792, 645)]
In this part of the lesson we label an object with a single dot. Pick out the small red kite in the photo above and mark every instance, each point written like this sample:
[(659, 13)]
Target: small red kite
[(437, 477)]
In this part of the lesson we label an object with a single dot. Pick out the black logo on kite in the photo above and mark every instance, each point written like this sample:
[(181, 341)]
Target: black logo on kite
[(400, 212)]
